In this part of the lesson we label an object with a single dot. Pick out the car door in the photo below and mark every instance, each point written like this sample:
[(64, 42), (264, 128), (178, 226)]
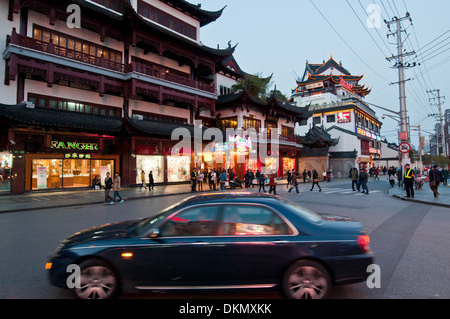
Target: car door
[(180, 255), (255, 245)]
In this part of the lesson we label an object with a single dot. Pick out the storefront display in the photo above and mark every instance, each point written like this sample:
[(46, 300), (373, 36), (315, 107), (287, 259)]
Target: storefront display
[(252, 164), (148, 163), (271, 165), (51, 173), (288, 165), (5, 171), (178, 168)]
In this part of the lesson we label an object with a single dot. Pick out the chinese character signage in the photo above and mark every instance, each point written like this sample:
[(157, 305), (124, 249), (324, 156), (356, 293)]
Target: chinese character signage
[(344, 117), (77, 156)]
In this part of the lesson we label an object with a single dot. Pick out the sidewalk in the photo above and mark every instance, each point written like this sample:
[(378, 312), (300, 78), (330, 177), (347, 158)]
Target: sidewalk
[(53, 199), (424, 195), (56, 199)]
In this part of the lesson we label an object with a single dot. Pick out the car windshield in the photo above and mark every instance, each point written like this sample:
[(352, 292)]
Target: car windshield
[(146, 223), (302, 211)]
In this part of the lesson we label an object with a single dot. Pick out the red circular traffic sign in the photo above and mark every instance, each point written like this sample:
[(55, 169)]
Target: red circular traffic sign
[(404, 148)]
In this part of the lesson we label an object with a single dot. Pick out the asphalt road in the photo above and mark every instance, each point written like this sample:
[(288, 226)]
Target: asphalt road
[(410, 242)]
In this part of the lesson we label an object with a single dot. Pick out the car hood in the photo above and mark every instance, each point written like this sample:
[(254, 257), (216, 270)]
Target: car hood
[(116, 230)]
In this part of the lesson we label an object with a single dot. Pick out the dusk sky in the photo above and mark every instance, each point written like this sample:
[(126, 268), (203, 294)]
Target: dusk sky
[(279, 37)]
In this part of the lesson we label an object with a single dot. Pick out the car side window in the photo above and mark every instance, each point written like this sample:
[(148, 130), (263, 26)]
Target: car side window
[(197, 221), (252, 220)]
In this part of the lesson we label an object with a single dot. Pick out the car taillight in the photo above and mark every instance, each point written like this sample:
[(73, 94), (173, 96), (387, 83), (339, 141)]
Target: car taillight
[(364, 241)]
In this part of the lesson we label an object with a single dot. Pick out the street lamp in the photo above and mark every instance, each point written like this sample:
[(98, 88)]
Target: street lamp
[(413, 128)]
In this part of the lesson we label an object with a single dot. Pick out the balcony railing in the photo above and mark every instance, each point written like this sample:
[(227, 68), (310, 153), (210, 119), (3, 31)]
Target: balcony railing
[(137, 65)]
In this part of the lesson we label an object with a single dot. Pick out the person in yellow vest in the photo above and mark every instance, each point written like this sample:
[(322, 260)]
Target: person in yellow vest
[(408, 179)]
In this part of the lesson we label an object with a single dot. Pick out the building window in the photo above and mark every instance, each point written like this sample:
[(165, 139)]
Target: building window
[(81, 47), (252, 123), (161, 17), (317, 120), (287, 131), (229, 122), (161, 118), (331, 118), (74, 106)]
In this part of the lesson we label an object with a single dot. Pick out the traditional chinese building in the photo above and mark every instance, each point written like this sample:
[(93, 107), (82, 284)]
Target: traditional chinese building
[(102, 90), (336, 97)]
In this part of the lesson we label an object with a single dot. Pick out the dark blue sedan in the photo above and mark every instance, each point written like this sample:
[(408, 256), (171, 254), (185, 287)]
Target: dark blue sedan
[(216, 241)]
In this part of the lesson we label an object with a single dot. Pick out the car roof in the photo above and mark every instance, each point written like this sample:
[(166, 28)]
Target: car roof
[(233, 197)]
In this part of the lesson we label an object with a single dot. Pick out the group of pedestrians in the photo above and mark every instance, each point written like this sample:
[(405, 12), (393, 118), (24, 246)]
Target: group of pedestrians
[(360, 179), (115, 186), (293, 180)]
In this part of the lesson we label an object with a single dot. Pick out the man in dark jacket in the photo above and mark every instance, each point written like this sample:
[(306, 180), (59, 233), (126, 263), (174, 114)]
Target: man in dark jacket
[(435, 177), (108, 186), (363, 179)]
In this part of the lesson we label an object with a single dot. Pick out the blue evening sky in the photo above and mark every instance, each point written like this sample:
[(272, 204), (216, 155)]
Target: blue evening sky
[(277, 37)]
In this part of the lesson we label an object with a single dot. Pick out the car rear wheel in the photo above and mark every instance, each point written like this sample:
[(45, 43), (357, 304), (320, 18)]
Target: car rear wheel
[(97, 280), (306, 279)]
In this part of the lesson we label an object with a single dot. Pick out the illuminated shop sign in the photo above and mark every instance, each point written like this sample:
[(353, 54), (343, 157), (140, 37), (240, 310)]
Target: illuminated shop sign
[(73, 146), (368, 134), (346, 85), (344, 117), (77, 155)]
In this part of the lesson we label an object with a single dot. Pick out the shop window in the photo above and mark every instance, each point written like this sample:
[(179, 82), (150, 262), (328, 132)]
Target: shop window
[(5, 171), (99, 168), (331, 118), (47, 173), (150, 163), (178, 168), (76, 173)]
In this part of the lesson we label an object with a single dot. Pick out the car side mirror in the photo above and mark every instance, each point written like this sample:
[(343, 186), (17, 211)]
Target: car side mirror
[(154, 233)]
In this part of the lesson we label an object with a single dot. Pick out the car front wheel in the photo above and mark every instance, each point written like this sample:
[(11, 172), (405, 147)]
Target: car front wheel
[(97, 281), (306, 279)]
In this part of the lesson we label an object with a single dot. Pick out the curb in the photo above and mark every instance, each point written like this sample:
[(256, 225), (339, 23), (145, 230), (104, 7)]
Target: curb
[(419, 201)]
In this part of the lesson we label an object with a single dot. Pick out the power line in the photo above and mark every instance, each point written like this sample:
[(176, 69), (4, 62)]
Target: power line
[(366, 28), (345, 42)]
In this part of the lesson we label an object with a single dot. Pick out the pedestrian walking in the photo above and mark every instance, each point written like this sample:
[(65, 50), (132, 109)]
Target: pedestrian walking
[(289, 178), (304, 176), (223, 180), (408, 180), (376, 174), (252, 177), (262, 180), (294, 182), (116, 189), (272, 184), (315, 178), (142, 181), (151, 181), (363, 179), (444, 176), (355, 177), (108, 186), (435, 177), (200, 177)]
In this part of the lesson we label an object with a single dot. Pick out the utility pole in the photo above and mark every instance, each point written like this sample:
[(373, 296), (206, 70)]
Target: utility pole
[(403, 134), (441, 120)]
